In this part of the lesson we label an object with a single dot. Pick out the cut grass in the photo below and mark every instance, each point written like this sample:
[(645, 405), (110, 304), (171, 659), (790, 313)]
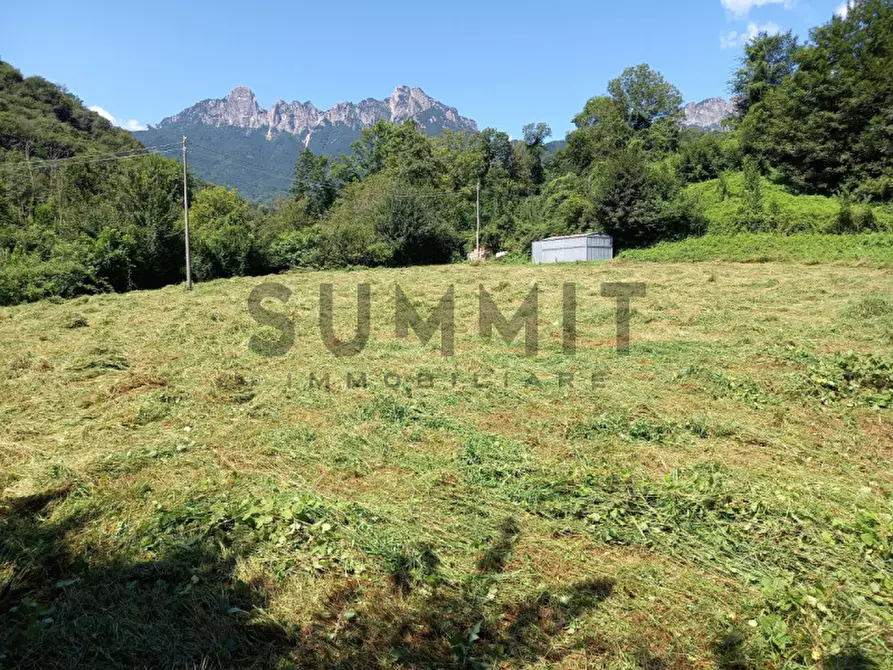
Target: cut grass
[(719, 498)]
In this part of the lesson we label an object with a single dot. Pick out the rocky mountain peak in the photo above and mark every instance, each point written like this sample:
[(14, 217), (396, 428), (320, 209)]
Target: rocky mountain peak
[(241, 109), (405, 102), (241, 93), (708, 114)]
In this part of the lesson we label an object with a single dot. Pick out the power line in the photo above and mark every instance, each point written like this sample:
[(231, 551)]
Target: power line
[(87, 159), (312, 184), (174, 149), (409, 194), (125, 152)]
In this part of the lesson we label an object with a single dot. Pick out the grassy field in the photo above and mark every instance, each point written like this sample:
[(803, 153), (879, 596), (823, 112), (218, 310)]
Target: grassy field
[(873, 249), (720, 497)]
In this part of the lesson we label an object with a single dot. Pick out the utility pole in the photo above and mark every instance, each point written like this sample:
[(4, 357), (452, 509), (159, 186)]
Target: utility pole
[(477, 238), (186, 221)]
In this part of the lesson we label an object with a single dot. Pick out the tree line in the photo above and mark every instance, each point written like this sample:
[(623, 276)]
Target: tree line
[(812, 119)]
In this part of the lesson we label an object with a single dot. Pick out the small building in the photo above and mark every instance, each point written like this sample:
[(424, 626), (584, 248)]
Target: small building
[(574, 248)]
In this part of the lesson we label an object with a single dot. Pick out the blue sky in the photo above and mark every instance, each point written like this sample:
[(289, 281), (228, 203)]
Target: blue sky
[(503, 64)]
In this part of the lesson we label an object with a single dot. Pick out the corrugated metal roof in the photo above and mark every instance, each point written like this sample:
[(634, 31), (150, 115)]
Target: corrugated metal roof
[(570, 237)]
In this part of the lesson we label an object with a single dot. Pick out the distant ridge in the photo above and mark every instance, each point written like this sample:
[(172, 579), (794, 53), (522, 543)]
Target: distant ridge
[(241, 109), (272, 138)]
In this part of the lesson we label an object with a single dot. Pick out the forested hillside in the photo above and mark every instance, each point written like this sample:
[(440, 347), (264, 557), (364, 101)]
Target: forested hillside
[(83, 206), (810, 149), (39, 120)]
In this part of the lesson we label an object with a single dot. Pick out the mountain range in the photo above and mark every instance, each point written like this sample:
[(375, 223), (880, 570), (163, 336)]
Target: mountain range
[(270, 139), (238, 143)]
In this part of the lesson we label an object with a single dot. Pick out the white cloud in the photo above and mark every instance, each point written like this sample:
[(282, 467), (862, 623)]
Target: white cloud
[(734, 39), (741, 8), (128, 124), (844, 9), (104, 114), (133, 124)]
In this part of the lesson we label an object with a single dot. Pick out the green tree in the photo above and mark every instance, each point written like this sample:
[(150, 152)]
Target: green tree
[(225, 243), (768, 61), (568, 201), (828, 126), (706, 155), (314, 182), (149, 206), (410, 156), (602, 133), (638, 204), (645, 97), (641, 105), (751, 214), (415, 229), (535, 136)]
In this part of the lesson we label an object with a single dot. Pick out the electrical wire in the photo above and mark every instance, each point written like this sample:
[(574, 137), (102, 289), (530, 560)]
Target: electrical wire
[(87, 159), (174, 147), (313, 184)]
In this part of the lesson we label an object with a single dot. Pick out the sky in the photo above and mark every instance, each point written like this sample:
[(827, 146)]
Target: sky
[(504, 64)]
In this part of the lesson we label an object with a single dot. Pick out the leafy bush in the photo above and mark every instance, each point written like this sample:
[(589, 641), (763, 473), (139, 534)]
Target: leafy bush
[(381, 221), (295, 249), (729, 204), (415, 230), (113, 258), (704, 156), (852, 375), (224, 240), (852, 219), (26, 280)]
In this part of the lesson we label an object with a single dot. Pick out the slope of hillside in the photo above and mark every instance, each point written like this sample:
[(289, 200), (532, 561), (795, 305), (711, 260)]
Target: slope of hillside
[(873, 249), (782, 211), (38, 120), (710, 500), (83, 206), (239, 158)]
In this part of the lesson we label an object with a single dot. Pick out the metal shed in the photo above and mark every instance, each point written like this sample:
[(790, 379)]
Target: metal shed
[(574, 248)]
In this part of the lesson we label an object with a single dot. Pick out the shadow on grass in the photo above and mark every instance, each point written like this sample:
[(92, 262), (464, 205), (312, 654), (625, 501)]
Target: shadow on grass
[(495, 557), (66, 608), (729, 651), (851, 659)]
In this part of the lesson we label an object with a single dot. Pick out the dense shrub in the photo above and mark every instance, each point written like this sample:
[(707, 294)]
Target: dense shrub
[(225, 244), (295, 249), (704, 156), (639, 204), (727, 203), (382, 221), (29, 279)]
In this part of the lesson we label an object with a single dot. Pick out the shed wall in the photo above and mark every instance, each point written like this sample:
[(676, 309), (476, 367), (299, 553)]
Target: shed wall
[(573, 249)]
